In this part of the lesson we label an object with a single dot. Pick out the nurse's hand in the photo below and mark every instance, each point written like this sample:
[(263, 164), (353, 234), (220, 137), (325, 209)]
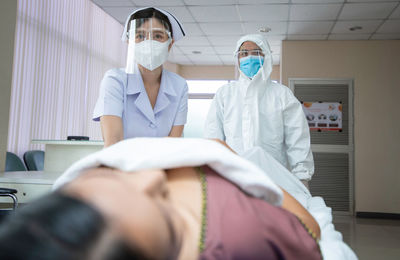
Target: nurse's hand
[(111, 129)]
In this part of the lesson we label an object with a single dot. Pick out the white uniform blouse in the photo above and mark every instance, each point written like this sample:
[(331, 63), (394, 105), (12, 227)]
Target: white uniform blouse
[(124, 95)]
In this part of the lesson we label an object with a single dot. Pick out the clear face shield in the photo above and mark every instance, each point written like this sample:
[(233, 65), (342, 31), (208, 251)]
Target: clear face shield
[(249, 62), (149, 41)]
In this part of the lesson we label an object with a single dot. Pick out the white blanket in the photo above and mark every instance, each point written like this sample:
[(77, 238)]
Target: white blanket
[(166, 153), (259, 179), (331, 243)]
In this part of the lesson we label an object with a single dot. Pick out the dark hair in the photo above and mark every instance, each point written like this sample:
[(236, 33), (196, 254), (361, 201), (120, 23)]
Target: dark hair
[(59, 227), (149, 13)]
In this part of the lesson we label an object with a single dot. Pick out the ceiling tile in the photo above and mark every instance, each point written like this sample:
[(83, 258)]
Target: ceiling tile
[(205, 59), (180, 59), (276, 27), (205, 50), (221, 28), (363, 1), (119, 13), (275, 39), (217, 40), (115, 3), (193, 41), (225, 50), (396, 13), (158, 2), (349, 36), (227, 59), (390, 26), (250, 13), (342, 27), (384, 36), (307, 37), (210, 2), (175, 50), (192, 29), (214, 13), (314, 12), (357, 11), (316, 1), (223, 22), (320, 27), (224, 40), (243, 2), (181, 13)]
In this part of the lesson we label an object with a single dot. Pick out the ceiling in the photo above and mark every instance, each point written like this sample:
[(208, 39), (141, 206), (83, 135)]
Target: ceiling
[(213, 26)]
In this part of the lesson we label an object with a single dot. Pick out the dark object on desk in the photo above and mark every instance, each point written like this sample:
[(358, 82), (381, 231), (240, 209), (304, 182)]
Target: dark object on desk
[(77, 138), (13, 163), (34, 160)]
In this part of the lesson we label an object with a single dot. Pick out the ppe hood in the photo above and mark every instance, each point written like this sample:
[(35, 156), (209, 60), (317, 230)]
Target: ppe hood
[(262, 42)]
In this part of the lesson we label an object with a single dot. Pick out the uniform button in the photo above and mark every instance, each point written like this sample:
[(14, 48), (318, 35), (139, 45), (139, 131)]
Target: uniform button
[(152, 125)]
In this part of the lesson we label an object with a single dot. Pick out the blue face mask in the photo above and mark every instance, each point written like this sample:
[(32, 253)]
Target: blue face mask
[(250, 65)]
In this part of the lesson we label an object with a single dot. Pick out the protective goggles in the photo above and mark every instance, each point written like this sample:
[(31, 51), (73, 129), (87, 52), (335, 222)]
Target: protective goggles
[(156, 34), (148, 29), (245, 53)]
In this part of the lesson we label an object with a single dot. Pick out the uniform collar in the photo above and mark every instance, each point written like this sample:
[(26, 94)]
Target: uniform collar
[(135, 86)]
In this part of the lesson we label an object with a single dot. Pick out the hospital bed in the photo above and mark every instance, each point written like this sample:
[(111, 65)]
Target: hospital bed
[(259, 178)]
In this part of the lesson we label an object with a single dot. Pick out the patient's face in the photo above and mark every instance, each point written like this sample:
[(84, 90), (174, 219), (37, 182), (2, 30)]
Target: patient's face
[(137, 207)]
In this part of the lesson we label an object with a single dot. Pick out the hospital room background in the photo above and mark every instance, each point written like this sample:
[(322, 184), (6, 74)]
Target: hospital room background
[(54, 54)]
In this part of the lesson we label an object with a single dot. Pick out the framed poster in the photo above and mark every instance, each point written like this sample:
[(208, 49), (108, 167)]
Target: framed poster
[(323, 116)]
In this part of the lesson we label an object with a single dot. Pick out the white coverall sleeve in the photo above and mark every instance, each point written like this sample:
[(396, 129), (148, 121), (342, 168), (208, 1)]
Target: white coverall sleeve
[(297, 139), (214, 125)]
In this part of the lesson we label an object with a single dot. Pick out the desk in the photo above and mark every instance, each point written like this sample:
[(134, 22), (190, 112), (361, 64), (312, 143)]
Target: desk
[(60, 154), (29, 184)]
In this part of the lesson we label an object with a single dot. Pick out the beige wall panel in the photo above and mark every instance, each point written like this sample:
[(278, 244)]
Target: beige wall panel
[(375, 68)]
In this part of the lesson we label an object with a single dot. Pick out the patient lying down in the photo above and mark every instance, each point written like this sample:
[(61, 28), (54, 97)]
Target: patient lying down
[(188, 212)]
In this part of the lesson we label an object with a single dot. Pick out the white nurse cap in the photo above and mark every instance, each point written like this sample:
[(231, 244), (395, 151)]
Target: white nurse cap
[(177, 28)]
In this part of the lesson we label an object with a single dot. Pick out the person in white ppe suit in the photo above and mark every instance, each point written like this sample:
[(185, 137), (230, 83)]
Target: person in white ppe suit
[(255, 112)]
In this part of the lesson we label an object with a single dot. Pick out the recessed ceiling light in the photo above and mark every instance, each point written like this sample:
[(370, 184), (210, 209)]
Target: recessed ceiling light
[(196, 52), (264, 29), (355, 28)]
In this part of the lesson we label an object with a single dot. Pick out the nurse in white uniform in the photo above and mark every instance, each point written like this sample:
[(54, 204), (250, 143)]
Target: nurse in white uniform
[(143, 99), (254, 112)]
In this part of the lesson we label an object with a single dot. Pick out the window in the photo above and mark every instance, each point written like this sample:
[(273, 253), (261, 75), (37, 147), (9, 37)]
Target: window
[(201, 93)]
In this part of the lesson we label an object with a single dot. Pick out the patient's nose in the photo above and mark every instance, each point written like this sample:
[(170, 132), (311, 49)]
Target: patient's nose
[(152, 182)]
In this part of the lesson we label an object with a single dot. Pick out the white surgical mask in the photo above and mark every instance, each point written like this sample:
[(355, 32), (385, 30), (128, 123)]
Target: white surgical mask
[(151, 54)]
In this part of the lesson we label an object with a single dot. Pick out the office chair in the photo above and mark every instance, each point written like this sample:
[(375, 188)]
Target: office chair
[(6, 192), (34, 160), (14, 163)]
